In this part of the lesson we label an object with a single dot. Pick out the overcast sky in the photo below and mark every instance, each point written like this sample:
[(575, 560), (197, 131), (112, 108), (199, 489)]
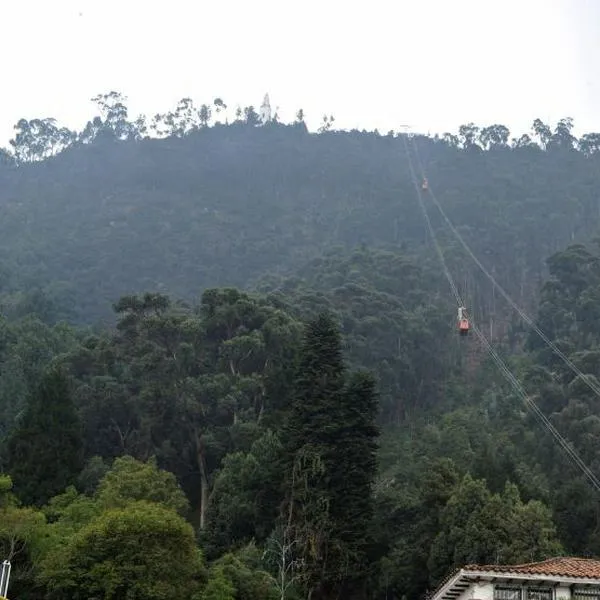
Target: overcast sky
[(433, 64)]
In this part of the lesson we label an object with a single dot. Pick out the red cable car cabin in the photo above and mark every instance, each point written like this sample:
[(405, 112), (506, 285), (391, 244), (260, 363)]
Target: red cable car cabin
[(463, 322)]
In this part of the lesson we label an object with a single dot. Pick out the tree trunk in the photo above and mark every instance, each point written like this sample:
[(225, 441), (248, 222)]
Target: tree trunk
[(203, 498), (201, 460)]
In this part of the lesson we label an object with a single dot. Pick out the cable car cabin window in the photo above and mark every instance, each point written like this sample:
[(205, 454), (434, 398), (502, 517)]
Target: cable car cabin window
[(503, 592), (586, 593), (539, 593)]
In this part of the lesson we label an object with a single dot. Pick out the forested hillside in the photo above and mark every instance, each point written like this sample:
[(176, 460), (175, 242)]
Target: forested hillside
[(229, 364), (123, 209)]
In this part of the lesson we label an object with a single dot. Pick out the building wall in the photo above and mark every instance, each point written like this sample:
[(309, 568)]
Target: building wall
[(485, 591), (562, 593), (479, 591)]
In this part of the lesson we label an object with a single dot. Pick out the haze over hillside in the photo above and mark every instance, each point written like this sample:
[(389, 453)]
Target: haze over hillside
[(119, 211)]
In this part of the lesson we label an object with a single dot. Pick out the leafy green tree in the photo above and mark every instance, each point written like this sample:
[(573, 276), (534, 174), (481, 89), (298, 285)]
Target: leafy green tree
[(129, 480), (45, 452), (251, 117), (219, 105), (589, 143), (249, 583), (143, 550), (494, 136), (479, 527), (187, 384), (562, 136), (27, 347), (114, 113), (219, 586), (126, 482), (68, 513), (39, 139), (468, 135), (23, 538), (542, 132), (204, 115), (245, 497), (186, 119)]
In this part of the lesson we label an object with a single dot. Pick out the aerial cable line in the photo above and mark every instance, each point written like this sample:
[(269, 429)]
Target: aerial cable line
[(431, 231), (528, 401), (589, 382)]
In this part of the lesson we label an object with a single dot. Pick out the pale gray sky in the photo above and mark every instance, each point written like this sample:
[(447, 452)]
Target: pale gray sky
[(433, 64)]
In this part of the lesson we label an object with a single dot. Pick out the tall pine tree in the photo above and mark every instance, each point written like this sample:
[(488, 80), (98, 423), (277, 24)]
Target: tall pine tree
[(45, 452), (330, 454), (352, 513), (319, 387)]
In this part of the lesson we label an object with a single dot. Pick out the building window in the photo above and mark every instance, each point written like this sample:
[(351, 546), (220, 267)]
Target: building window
[(503, 592), (586, 594), (539, 593)]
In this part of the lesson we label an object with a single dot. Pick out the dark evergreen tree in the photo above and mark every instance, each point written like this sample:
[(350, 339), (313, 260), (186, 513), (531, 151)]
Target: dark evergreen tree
[(355, 469), (319, 387), (309, 441), (45, 452), (330, 442)]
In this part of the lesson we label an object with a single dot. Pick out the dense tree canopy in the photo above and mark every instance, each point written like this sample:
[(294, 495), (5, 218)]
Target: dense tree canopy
[(250, 196), (278, 405)]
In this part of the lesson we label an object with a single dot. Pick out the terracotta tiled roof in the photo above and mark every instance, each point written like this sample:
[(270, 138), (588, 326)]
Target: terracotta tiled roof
[(558, 567), (564, 566)]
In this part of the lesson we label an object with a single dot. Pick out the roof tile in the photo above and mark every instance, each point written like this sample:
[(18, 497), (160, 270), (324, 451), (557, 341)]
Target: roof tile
[(562, 566)]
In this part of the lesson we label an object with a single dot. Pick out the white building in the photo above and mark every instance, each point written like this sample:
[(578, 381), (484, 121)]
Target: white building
[(554, 579)]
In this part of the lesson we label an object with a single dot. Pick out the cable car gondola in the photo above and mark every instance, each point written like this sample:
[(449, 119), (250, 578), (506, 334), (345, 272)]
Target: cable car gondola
[(425, 184), (463, 322)]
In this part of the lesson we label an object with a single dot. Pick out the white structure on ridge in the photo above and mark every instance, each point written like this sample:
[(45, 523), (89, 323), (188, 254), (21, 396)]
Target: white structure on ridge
[(265, 110)]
